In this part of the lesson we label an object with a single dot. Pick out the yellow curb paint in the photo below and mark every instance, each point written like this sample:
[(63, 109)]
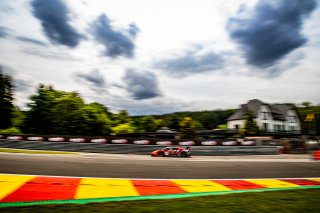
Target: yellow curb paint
[(102, 188), (10, 183), (315, 179), (200, 185), (272, 183)]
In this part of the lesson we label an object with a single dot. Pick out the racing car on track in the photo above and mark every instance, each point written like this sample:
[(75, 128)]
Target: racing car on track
[(172, 151)]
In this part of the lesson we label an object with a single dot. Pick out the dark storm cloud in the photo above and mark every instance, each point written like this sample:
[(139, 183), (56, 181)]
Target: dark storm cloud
[(55, 17), (93, 79), (116, 43), (191, 62), (141, 85), (272, 30)]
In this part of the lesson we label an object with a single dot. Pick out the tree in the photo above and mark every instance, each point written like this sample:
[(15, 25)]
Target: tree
[(145, 124), (18, 117), (6, 100), (123, 129), (121, 118), (306, 104), (187, 128), (97, 118), (39, 118), (67, 115), (250, 126)]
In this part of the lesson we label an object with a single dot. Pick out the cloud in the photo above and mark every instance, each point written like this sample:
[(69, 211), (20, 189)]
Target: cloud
[(21, 83), (30, 40), (55, 20), (133, 30), (271, 31), (49, 54), (192, 62), (141, 85), (116, 43), (94, 80), (4, 32)]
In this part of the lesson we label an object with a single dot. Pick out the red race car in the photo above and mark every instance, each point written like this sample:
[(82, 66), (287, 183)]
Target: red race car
[(173, 151)]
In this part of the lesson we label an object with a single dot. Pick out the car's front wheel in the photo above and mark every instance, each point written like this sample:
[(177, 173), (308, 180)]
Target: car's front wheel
[(161, 154)]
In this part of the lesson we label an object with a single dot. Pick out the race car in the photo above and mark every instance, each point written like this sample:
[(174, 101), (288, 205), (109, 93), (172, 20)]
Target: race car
[(173, 151)]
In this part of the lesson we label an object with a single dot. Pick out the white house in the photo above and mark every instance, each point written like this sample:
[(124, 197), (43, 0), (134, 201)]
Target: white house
[(269, 117)]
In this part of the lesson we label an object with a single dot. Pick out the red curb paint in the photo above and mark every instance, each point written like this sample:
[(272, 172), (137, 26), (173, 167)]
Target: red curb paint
[(157, 187), (302, 182), (45, 188), (238, 184)]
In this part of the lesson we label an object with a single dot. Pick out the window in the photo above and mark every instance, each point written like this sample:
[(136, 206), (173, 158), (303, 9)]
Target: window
[(292, 118), (264, 115), (265, 127)]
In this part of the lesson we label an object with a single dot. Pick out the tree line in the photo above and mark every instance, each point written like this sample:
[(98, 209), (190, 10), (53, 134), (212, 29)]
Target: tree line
[(56, 112)]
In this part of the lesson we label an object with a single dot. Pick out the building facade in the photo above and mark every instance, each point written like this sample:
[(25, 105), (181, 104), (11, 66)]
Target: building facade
[(269, 117)]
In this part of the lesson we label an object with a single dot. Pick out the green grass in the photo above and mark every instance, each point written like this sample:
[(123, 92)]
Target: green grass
[(26, 151), (304, 200)]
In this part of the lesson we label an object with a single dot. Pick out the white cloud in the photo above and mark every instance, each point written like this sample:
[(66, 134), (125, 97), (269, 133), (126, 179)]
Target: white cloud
[(167, 29)]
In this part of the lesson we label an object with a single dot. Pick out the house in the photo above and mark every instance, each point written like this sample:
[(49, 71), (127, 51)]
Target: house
[(269, 117)]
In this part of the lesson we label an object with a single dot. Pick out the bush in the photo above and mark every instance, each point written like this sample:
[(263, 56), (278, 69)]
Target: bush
[(11, 131)]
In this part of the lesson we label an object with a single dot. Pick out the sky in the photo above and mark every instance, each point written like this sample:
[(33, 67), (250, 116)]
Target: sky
[(157, 57)]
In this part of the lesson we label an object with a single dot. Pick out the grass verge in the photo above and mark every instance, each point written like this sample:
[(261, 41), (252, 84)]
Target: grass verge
[(26, 151), (304, 200)]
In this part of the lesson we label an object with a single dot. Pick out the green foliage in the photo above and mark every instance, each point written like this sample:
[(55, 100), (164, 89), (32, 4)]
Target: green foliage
[(187, 128), (58, 112), (250, 126), (121, 118), (18, 117), (205, 119), (309, 126), (145, 124), (222, 126), (123, 129), (11, 131), (6, 100)]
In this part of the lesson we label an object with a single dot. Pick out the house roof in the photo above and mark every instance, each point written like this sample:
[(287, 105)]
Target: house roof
[(279, 111)]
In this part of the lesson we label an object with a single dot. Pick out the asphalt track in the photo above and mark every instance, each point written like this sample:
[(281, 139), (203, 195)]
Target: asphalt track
[(133, 166)]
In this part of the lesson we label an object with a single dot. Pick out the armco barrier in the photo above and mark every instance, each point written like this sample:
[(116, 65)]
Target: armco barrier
[(77, 140), (142, 142), (35, 138), (98, 140), (56, 139), (209, 143), (164, 143), (230, 143), (14, 137), (187, 143), (138, 149), (119, 141)]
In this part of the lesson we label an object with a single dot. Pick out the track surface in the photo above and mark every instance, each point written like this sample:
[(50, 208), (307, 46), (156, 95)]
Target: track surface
[(131, 166)]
